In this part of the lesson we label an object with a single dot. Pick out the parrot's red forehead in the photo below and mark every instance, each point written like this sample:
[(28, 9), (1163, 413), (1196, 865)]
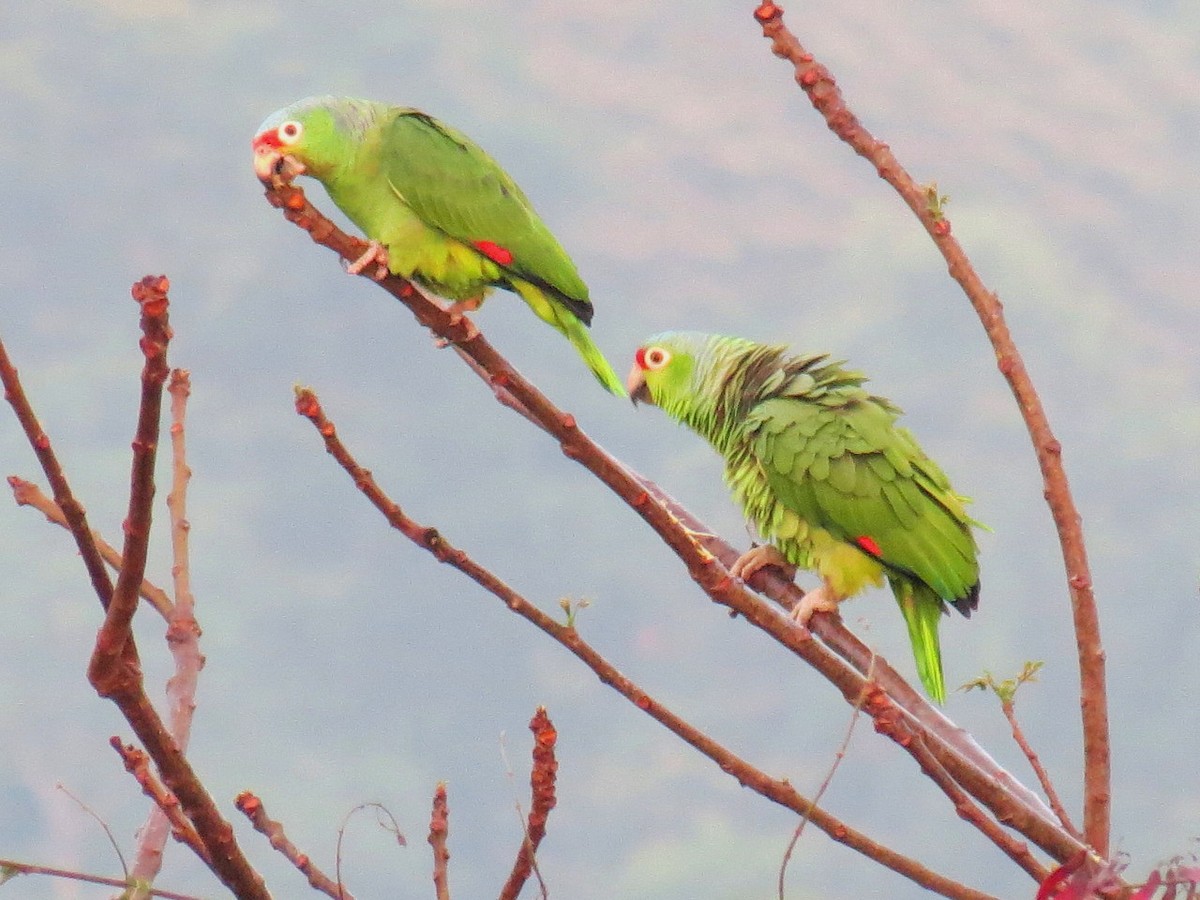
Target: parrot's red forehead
[(269, 138), (640, 358)]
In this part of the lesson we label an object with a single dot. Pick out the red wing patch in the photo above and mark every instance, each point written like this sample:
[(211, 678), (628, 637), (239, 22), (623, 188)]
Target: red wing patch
[(868, 544), (497, 254)]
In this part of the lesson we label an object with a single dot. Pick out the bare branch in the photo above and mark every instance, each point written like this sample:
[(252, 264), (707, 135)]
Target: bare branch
[(827, 99), (111, 659), (115, 671), (777, 790), (439, 830), (71, 508), (183, 632), (26, 493), (137, 764), (1019, 809), (254, 810), (12, 866), (542, 780), (1006, 691), (837, 761)]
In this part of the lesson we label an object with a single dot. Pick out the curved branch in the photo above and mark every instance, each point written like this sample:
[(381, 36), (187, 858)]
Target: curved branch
[(827, 99), (777, 790), (1018, 809)]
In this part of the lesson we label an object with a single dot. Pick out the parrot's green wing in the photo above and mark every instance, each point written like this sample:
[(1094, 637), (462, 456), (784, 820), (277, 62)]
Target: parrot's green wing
[(839, 462), (455, 187)]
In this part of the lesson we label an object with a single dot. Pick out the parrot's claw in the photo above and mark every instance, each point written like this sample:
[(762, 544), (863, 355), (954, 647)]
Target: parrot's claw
[(462, 307), (375, 254), (274, 168), (757, 558), (820, 600), (288, 169)]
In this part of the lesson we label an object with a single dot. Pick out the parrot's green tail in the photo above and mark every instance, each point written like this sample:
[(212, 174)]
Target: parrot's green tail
[(574, 330), (922, 609)]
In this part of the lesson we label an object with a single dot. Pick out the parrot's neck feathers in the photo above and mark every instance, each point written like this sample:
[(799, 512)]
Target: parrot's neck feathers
[(351, 116), (732, 376)]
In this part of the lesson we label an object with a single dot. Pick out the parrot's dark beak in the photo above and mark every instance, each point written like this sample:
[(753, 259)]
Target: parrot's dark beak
[(636, 385)]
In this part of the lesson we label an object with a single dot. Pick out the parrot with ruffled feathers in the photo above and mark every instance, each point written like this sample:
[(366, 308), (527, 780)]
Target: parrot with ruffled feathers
[(826, 476), (437, 209)]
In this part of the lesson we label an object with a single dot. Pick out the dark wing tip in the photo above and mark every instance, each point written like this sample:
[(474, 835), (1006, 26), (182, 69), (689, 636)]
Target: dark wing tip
[(969, 603), (581, 308)]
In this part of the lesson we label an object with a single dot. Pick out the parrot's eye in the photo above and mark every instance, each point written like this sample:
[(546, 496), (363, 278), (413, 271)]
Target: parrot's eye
[(655, 358), (289, 132)]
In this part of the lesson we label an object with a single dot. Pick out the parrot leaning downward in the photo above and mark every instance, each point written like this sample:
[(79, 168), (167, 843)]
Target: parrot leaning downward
[(826, 476), (435, 206)]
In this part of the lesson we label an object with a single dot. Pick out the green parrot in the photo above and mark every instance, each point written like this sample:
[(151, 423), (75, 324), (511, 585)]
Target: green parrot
[(436, 207), (820, 467)]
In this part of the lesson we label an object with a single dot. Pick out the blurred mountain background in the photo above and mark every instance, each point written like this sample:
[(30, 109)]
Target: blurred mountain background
[(686, 174)]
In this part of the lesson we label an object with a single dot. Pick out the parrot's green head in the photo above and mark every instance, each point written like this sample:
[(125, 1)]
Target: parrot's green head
[(677, 370), (314, 136)]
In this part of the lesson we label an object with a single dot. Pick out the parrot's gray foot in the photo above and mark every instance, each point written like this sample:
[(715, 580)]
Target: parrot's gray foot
[(376, 254), (820, 600), (756, 558)]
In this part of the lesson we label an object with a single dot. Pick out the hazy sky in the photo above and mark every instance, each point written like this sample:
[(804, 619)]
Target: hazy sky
[(687, 176)]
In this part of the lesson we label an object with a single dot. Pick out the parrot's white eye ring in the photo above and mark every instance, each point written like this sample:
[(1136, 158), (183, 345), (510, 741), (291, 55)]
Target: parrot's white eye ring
[(656, 358), (289, 132)]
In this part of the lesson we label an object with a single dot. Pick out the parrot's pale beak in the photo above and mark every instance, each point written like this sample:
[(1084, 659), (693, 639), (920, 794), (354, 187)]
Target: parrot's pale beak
[(636, 385), (273, 167)]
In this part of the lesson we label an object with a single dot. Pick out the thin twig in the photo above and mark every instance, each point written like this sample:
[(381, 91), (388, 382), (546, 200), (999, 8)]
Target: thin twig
[(11, 865), (27, 493), (542, 778), (253, 809), (827, 99), (970, 812), (183, 632), (71, 508), (439, 830), (137, 764), (777, 790), (104, 825), (1043, 777), (391, 825), (837, 761)]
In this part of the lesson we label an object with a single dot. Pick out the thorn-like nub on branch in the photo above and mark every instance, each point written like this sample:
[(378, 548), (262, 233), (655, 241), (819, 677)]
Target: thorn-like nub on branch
[(151, 294), (307, 404), (767, 12), (247, 802)]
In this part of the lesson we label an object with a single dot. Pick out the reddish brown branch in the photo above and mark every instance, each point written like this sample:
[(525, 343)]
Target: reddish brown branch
[(779, 791), (966, 809), (439, 831), (1043, 777), (11, 865), (256, 812), (111, 659), (115, 671), (26, 493), (542, 780), (137, 764), (183, 631), (1018, 808), (72, 509), (827, 99), (828, 780)]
